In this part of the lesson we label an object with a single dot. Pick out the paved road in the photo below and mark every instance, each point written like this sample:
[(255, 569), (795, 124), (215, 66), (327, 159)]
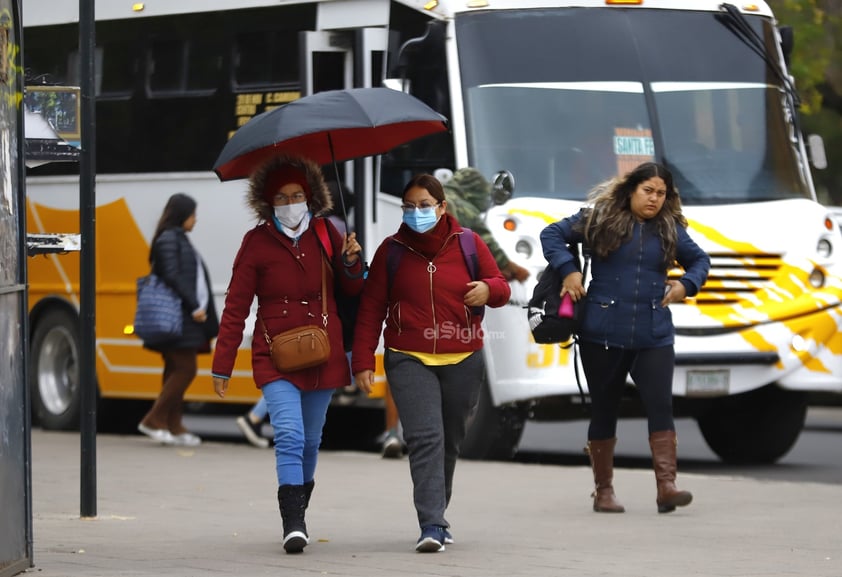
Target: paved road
[(816, 456), (165, 511)]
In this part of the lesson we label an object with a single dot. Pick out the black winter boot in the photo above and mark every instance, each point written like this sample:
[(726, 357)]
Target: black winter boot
[(292, 502), (308, 491)]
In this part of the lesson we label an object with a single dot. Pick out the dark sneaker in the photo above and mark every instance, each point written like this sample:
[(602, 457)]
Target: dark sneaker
[(431, 540), (448, 538), (252, 432)]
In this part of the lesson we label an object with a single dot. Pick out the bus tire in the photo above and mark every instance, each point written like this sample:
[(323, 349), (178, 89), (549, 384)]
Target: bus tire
[(758, 427), (493, 433), (54, 371)]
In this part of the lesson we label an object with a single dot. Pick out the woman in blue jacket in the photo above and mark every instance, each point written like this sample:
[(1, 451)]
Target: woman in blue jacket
[(636, 232)]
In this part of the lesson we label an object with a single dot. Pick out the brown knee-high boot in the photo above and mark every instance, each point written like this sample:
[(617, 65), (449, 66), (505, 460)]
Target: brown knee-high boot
[(602, 463), (663, 445)]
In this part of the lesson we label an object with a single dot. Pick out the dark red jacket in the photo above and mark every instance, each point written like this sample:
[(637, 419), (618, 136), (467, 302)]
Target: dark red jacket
[(287, 282), (424, 311)]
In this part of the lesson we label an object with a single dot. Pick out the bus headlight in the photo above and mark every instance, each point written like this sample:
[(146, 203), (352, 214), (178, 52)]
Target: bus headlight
[(824, 248), (817, 278), (524, 248)]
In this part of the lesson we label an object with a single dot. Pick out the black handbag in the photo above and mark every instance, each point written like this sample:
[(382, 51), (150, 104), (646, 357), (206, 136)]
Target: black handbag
[(158, 315), (542, 311)]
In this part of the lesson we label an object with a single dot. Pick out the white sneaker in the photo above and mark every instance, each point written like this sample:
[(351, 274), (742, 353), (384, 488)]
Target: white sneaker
[(186, 440), (162, 436)]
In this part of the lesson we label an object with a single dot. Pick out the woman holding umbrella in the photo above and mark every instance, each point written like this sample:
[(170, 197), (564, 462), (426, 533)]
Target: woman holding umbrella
[(280, 262)]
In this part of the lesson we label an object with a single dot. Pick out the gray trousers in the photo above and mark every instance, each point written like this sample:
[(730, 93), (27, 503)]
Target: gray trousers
[(434, 403)]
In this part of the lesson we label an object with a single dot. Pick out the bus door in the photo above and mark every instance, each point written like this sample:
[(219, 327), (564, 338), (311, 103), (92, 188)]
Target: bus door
[(338, 59)]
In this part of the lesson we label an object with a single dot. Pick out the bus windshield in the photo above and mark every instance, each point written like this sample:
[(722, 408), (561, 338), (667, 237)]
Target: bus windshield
[(590, 93)]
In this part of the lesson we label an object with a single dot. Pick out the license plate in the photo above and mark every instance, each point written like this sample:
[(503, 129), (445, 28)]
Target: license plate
[(707, 383)]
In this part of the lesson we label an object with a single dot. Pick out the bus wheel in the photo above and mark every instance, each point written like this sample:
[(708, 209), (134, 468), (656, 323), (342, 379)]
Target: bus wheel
[(54, 371), (493, 432), (758, 427)]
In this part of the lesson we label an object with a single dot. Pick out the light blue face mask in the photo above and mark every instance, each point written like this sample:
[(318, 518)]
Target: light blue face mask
[(421, 219)]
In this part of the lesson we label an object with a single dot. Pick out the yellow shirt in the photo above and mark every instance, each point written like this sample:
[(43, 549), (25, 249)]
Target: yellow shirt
[(437, 360)]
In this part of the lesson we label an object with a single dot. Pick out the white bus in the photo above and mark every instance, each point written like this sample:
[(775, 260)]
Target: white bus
[(561, 95)]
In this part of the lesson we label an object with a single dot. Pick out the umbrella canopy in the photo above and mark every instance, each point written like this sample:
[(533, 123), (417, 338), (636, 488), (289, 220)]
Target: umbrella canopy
[(328, 127)]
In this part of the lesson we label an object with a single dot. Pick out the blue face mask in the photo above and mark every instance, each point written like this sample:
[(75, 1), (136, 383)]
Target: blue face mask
[(421, 219)]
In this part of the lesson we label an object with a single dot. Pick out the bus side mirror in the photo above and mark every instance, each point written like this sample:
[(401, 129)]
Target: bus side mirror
[(818, 157), (787, 42), (399, 84), (502, 187)]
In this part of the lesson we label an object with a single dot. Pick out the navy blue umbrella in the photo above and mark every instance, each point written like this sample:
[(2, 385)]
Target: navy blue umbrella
[(329, 127)]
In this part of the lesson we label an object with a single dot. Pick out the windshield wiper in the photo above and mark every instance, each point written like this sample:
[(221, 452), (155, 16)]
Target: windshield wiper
[(733, 19)]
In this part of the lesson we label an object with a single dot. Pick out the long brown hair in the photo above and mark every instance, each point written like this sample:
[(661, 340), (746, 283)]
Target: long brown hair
[(610, 221)]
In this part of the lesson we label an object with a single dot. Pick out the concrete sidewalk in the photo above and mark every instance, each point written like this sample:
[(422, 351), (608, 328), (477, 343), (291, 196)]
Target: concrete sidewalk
[(212, 511)]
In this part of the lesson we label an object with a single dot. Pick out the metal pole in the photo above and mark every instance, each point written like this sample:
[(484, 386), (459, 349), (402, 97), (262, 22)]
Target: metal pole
[(22, 279), (87, 280)]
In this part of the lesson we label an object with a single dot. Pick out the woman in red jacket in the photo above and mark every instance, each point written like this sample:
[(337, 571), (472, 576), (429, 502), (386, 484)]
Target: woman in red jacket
[(420, 283), (280, 262)]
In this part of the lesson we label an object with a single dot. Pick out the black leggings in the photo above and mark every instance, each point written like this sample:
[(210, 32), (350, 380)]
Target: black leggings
[(606, 370)]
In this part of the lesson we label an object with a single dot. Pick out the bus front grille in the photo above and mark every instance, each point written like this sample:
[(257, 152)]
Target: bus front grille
[(736, 277)]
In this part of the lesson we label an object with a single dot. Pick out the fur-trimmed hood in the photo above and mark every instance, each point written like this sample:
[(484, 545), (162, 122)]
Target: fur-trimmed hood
[(319, 200)]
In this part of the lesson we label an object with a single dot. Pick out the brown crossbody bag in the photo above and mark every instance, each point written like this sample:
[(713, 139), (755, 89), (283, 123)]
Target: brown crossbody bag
[(302, 347)]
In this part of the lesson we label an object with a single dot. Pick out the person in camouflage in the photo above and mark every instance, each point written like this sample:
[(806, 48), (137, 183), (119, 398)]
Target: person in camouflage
[(468, 195)]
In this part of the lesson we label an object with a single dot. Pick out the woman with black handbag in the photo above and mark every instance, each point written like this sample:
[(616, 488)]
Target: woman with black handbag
[(178, 264), (289, 261), (636, 233)]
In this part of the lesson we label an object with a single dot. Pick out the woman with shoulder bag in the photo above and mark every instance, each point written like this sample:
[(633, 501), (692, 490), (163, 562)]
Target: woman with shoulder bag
[(636, 233), (282, 262), (179, 265)]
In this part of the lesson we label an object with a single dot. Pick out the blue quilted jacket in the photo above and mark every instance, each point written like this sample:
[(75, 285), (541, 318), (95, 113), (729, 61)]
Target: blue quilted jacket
[(623, 303)]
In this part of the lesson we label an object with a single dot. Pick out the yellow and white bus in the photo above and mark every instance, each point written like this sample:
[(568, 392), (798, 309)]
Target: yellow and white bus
[(561, 95)]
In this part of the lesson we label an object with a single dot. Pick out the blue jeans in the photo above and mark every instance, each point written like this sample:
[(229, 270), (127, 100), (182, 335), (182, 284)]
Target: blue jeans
[(260, 410), (298, 418)]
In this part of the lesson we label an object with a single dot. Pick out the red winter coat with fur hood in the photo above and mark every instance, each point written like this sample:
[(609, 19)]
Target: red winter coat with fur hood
[(286, 278)]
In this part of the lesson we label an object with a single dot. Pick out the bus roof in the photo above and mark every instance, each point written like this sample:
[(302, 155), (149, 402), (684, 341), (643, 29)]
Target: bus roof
[(50, 12), (448, 8)]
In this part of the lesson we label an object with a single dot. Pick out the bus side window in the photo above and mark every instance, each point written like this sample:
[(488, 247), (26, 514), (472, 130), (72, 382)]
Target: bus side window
[(268, 58), (189, 65)]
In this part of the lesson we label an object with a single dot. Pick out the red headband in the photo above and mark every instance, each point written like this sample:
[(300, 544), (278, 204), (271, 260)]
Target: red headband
[(286, 174)]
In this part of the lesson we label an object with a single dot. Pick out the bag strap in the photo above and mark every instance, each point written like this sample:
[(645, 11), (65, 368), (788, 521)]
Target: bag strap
[(578, 379), (324, 302), (469, 252), (324, 292), (586, 255), (468, 244), (320, 228)]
